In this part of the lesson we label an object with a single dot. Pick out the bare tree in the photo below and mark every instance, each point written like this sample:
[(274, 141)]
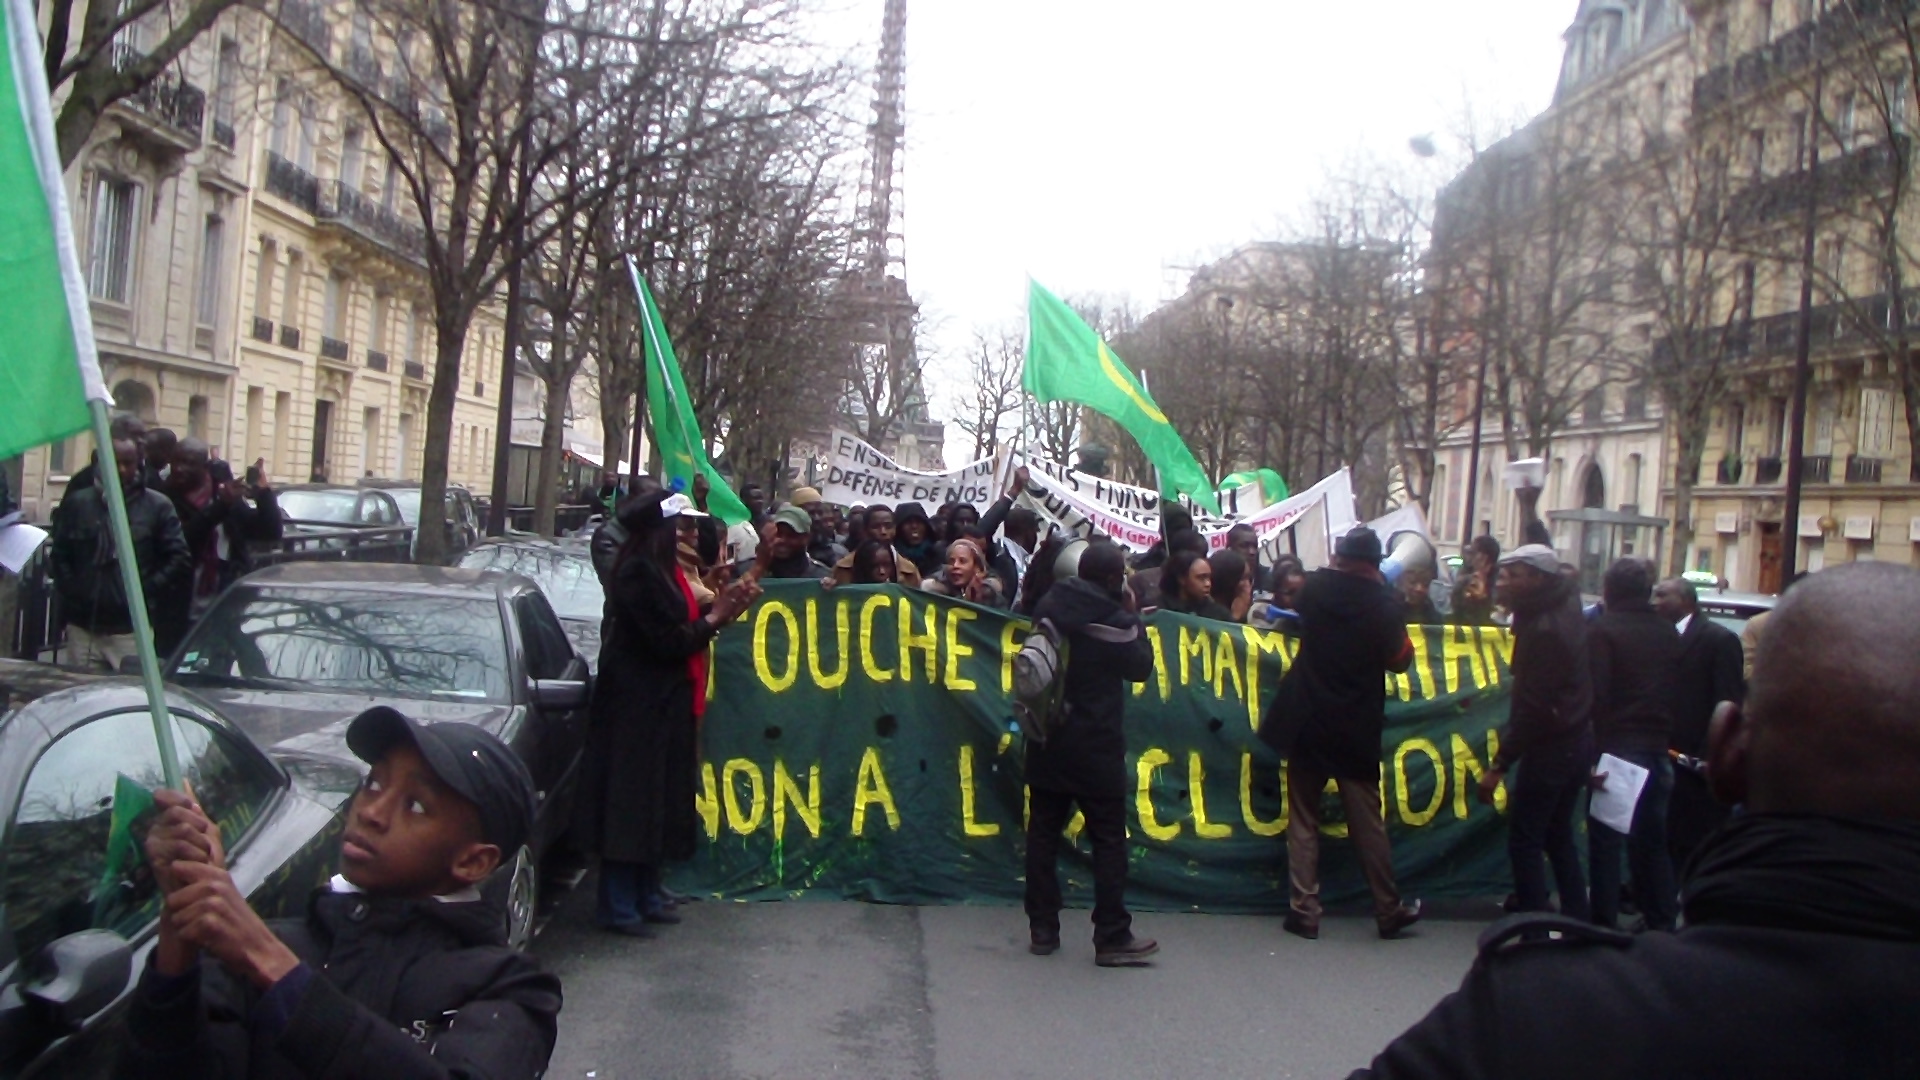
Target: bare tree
[(111, 61), (995, 394)]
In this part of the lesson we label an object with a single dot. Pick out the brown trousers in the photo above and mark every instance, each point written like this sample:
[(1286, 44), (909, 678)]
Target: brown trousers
[(1365, 829)]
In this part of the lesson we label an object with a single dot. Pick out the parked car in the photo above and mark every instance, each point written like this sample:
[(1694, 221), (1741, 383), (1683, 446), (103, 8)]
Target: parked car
[(1733, 609), (293, 652), (326, 521), (462, 514), (77, 901), (564, 569)]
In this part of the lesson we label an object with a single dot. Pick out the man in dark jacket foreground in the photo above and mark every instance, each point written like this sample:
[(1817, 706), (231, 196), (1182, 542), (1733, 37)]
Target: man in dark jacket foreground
[(1327, 718), (86, 565), (1634, 654), (1549, 729), (1084, 760), (1712, 670), (1801, 952), (400, 969)]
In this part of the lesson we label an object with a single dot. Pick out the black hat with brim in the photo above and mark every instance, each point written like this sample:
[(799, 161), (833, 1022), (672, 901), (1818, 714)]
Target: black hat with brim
[(468, 759)]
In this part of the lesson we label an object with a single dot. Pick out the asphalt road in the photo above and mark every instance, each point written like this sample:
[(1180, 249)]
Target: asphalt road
[(817, 988)]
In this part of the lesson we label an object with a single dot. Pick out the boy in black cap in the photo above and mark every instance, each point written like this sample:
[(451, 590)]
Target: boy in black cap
[(398, 970)]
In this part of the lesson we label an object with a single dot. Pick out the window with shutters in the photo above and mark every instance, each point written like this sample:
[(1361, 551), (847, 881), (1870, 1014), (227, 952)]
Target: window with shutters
[(110, 270), (212, 239), (1876, 423)]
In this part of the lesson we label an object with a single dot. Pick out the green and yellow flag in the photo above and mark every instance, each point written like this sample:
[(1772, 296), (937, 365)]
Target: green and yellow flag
[(683, 450), (1067, 361), (48, 369)]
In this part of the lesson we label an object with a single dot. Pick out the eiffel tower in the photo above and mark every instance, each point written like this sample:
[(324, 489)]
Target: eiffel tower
[(886, 402)]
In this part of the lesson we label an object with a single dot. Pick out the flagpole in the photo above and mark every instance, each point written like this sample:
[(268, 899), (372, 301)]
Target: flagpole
[(108, 469)]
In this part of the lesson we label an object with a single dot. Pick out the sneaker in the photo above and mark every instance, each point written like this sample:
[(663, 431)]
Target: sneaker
[(1044, 944), (1406, 916), (1130, 953), (1299, 926)]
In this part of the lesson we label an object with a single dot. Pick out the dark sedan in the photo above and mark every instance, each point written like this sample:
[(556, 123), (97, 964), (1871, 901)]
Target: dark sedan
[(293, 652), (77, 901), (564, 569)]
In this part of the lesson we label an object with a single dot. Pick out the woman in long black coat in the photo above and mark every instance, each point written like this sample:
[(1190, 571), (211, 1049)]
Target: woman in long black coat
[(636, 803)]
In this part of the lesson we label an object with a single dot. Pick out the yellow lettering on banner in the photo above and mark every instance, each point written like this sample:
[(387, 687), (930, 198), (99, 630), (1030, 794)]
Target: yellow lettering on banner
[(1075, 825), (875, 604), (1160, 671), (1458, 643), (1467, 772), (1197, 792), (971, 827), (786, 792), (1149, 761), (872, 788), (957, 652), (1422, 663), (1260, 643), (744, 823), (1195, 643), (928, 642), (1254, 825), (762, 663), (1496, 644), (1403, 791), (712, 669), (1226, 666), (1009, 649), (1026, 807), (835, 679), (706, 801), (1336, 829)]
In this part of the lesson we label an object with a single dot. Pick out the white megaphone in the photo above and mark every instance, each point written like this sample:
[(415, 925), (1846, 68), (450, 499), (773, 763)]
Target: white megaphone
[(1408, 550)]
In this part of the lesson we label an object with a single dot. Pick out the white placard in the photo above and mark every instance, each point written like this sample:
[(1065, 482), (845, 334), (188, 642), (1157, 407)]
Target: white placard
[(1810, 526), (858, 474), (1726, 521), (1613, 804), (18, 542), (1913, 531), (1525, 473), (1859, 528)]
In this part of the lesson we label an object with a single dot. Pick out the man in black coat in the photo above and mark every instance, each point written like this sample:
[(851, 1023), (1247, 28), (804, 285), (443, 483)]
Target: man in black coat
[(1084, 760), (1711, 670), (1801, 951), (1327, 718), (1634, 655), (1549, 730), (86, 565)]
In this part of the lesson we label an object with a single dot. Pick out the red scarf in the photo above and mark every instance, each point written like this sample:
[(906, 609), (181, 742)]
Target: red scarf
[(697, 663)]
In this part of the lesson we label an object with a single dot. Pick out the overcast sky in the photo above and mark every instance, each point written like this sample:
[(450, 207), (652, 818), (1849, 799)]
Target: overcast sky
[(1109, 146)]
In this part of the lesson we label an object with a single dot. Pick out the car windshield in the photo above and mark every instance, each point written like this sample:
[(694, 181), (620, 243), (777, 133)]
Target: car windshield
[(565, 574), (385, 644), (409, 500), (335, 506)]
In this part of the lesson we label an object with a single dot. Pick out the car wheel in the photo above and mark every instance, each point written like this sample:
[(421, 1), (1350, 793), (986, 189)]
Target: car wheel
[(523, 900)]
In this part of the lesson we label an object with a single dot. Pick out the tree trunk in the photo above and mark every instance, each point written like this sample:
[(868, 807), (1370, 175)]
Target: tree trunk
[(546, 493), (450, 343), (1689, 447)]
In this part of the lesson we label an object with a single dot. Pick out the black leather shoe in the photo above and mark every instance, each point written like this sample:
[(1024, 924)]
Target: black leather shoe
[(1298, 926), (1408, 914), (1043, 944), (637, 929), (1132, 953), (665, 916)]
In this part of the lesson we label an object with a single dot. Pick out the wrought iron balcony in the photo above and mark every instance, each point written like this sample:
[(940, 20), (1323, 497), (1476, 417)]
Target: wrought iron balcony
[(1729, 471), (333, 348), (290, 337), (171, 101), (1838, 181), (1816, 469), (1863, 470), (308, 22), (376, 360), (340, 202), (416, 370), (293, 183), (263, 329), (1767, 470)]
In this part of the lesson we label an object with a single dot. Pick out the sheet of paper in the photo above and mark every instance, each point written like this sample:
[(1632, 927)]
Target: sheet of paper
[(17, 545), (1613, 804)]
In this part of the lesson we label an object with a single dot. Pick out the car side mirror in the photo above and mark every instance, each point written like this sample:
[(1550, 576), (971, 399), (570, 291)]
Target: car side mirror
[(78, 975), (560, 693)]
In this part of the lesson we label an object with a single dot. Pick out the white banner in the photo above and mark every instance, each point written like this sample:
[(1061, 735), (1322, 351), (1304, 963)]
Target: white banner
[(858, 474)]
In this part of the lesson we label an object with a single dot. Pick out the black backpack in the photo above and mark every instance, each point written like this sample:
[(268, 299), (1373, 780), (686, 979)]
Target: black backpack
[(1040, 681)]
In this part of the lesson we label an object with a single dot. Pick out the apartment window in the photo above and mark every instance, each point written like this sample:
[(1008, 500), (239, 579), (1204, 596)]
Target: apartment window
[(1743, 293), (1757, 153), (1736, 431), (1636, 401), (111, 263), (212, 239), (1631, 490), (1876, 423), (337, 298), (413, 335), (1833, 259), (263, 281), (280, 138), (390, 183), (1846, 122), (226, 82), (1820, 440), (309, 123), (197, 417), (381, 303), (352, 159), (1593, 406), (369, 440), (1763, 23), (1776, 433), (1798, 121), (256, 403), (282, 418), (1899, 102), (1717, 41), (290, 314), (57, 457)]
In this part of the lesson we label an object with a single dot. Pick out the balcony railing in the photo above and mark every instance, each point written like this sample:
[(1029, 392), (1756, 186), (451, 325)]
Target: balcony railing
[(263, 329), (416, 370), (1863, 470), (376, 360), (1816, 469), (1767, 470), (1729, 471), (308, 22), (339, 201), (1838, 181), (289, 337), (363, 66), (292, 183), (1777, 335), (333, 348), (172, 101)]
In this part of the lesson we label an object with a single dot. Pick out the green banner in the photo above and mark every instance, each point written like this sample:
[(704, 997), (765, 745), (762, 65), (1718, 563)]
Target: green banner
[(859, 745)]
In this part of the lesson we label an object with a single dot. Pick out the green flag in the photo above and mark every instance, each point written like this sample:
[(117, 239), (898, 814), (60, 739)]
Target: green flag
[(683, 451), (48, 369), (1067, 361)]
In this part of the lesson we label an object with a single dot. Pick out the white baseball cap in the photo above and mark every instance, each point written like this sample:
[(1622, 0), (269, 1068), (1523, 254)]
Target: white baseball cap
[(678, 505)]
